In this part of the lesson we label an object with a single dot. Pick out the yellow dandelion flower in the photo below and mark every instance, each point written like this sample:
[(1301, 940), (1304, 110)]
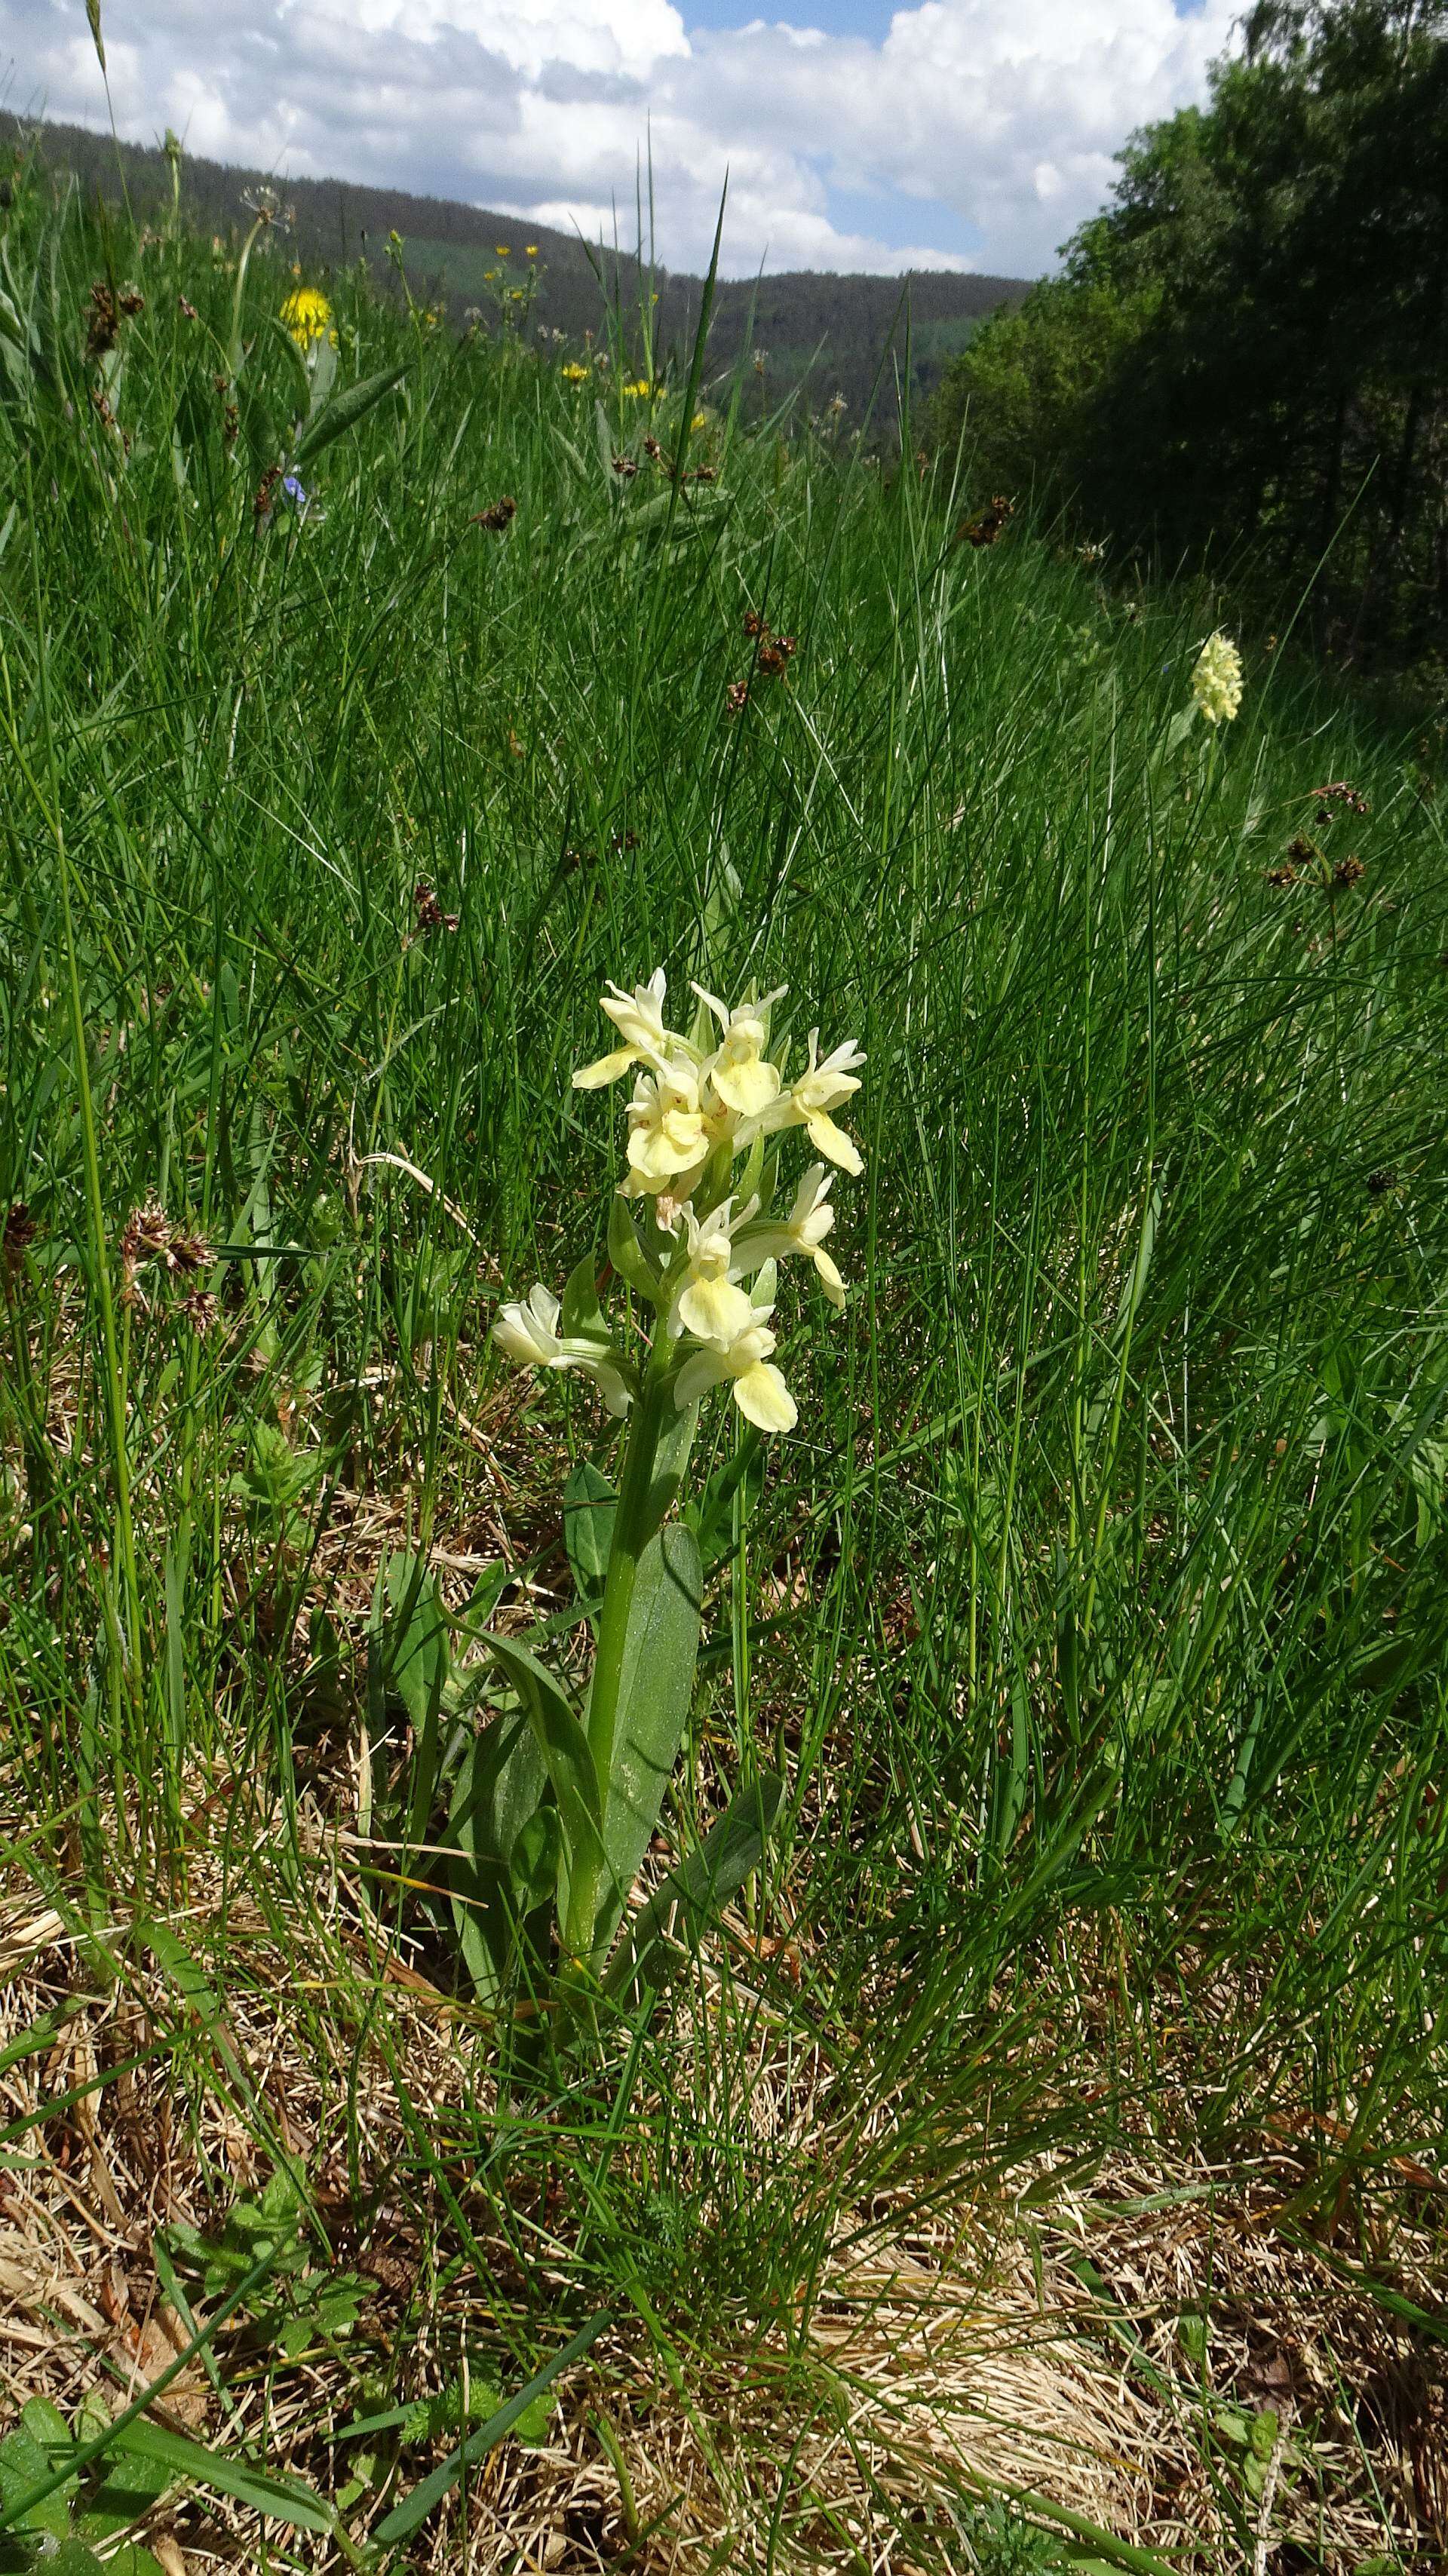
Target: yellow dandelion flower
[(573, 374), (640, 387), (530, 250), (308, 316), (502, 249)]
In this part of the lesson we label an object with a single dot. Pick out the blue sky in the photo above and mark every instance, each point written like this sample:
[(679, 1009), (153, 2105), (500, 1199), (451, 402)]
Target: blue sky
[(948, 133)]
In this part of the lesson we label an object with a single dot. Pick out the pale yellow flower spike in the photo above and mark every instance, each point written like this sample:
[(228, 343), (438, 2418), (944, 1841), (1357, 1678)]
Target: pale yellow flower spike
[(1217, 679), (758, 1388)]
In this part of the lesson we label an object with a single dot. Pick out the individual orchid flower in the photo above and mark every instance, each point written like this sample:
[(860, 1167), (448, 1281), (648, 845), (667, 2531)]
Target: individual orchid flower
[(530, 1337), (803, 1232), (808, 1102), (759, 1388), (708, 1303), (740, 1072), (666, 1131), (639, 1019)]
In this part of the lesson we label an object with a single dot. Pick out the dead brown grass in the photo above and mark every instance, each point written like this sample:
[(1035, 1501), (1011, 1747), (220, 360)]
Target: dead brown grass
[(995, 2347)]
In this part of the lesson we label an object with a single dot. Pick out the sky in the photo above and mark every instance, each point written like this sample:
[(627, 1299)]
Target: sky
[(959, 134)]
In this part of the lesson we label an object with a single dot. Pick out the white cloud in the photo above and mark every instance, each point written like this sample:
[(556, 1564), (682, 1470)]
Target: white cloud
[(1000, 114)]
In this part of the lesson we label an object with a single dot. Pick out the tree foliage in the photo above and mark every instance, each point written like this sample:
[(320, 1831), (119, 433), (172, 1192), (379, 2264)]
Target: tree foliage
[(1251, 342)]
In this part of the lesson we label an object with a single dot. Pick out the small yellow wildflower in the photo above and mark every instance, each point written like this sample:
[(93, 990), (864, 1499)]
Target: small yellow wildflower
[(502, 249), (709, 1304), (808, 1102), (531, 1338), (744, 1080), (1217, 679), (700, 420), (640, 387), (531, 251), (573, 374), (803, 1233), (666, 1134), (308, 316), (759, 1389), (639, 1019)]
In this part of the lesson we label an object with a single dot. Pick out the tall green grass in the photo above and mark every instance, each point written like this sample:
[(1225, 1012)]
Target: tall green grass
[(1098, 1607)]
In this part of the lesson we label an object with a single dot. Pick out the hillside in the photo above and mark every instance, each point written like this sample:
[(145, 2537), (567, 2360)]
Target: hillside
[(723, 1496), (823, 331)]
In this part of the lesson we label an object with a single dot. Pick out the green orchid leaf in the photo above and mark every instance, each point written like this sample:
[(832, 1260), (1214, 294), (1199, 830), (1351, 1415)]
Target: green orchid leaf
[(562, 1743), (693, 1892), (583, 1318), (661, 1648), (589, 1505), (626, 1252), (498, 1799), (670, 1459)]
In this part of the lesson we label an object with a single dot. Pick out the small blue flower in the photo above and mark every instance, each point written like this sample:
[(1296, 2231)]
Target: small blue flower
[(292, 486)]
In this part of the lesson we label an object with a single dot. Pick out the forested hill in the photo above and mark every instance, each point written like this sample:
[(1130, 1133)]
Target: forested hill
[(827, 330)]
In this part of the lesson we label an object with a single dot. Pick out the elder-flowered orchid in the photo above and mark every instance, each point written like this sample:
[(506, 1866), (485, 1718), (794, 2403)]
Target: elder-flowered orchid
[(693, 1114), (701, 1268), (639, 1019), (807, 1103), (666, 1130), (708, 1304), (530, 1336), (802, 1232), (744, 1365), (740, 1071)]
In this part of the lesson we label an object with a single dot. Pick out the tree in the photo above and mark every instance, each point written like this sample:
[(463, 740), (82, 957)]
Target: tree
[(1260, 321)]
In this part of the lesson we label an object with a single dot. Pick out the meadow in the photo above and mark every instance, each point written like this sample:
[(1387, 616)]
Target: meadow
[(1036, 2159)]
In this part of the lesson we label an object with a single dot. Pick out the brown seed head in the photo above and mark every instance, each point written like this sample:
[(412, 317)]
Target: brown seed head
[(497, 516), (987, 524), (1338, 792), (103, 322), (188, 1253), (18, 1236)]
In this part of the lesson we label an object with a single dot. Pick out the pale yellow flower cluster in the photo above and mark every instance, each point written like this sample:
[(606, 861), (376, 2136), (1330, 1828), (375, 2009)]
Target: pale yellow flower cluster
[(1217, 679), (699, 1104)]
